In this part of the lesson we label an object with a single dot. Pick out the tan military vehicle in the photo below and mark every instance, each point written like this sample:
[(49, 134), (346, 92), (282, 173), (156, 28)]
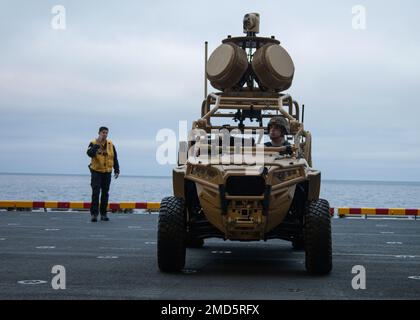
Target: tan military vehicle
[(228, 184)]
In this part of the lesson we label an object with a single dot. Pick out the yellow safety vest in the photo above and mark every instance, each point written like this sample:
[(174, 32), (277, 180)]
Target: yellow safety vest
[(104, 159)]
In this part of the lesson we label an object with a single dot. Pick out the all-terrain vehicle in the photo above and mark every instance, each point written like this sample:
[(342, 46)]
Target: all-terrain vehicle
[(271, 192)]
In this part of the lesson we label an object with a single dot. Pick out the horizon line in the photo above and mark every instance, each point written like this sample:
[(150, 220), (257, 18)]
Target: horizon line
[(167, 177)]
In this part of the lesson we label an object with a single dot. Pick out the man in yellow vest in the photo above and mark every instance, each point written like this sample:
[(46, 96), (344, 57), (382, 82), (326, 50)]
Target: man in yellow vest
[(103, 158)]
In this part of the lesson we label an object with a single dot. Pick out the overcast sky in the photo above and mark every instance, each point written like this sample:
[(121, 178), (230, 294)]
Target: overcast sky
[(137, 67)]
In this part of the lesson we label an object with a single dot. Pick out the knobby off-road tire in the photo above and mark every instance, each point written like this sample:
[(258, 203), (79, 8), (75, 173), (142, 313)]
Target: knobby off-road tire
[(171, 239), (193, 242), (317, 235), (298, 244)]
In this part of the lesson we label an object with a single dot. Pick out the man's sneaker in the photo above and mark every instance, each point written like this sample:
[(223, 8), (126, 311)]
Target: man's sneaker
[(94, 219), (104, 218)]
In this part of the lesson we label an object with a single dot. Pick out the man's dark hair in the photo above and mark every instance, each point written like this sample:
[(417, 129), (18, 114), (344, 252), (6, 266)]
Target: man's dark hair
[(103, 128)]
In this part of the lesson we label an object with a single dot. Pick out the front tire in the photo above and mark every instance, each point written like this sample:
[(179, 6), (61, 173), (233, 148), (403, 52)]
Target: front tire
[(193, 242), (171, 239), (317, 235)]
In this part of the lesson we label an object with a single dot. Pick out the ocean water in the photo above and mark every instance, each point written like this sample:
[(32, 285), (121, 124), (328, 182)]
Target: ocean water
[(143, 189)]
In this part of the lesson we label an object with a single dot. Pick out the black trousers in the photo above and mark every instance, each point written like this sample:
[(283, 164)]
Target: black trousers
[(100, 183)]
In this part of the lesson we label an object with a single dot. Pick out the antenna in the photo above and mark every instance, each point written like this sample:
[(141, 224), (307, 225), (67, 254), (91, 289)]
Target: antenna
[(303, 112), (205, 68)]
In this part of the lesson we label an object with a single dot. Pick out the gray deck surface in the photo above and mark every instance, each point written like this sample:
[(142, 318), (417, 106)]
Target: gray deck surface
[(117, 260)]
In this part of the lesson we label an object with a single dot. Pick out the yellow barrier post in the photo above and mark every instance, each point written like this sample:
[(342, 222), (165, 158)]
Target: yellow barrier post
[(342, 212), (8, 204), (76, 205), (51, 205), (23, 205)]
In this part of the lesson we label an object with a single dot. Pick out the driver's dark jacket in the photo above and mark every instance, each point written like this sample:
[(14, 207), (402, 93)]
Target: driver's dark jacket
[(269, 144)]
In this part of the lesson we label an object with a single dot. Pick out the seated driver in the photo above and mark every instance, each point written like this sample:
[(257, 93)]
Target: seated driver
[(278, 127)]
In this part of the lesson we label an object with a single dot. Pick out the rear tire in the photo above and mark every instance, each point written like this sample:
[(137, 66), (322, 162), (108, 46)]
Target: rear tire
[(171, 239), (298, 244), (317, 235)]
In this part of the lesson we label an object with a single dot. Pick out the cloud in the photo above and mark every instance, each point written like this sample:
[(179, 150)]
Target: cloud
[(127, 72), (137, 67)]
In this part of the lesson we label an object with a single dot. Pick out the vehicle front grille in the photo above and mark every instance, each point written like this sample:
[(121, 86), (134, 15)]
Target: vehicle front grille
[(245, 186)]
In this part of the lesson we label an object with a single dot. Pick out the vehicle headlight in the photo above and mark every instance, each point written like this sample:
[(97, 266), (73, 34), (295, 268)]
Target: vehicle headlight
[(204, 172), (287, 174)]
